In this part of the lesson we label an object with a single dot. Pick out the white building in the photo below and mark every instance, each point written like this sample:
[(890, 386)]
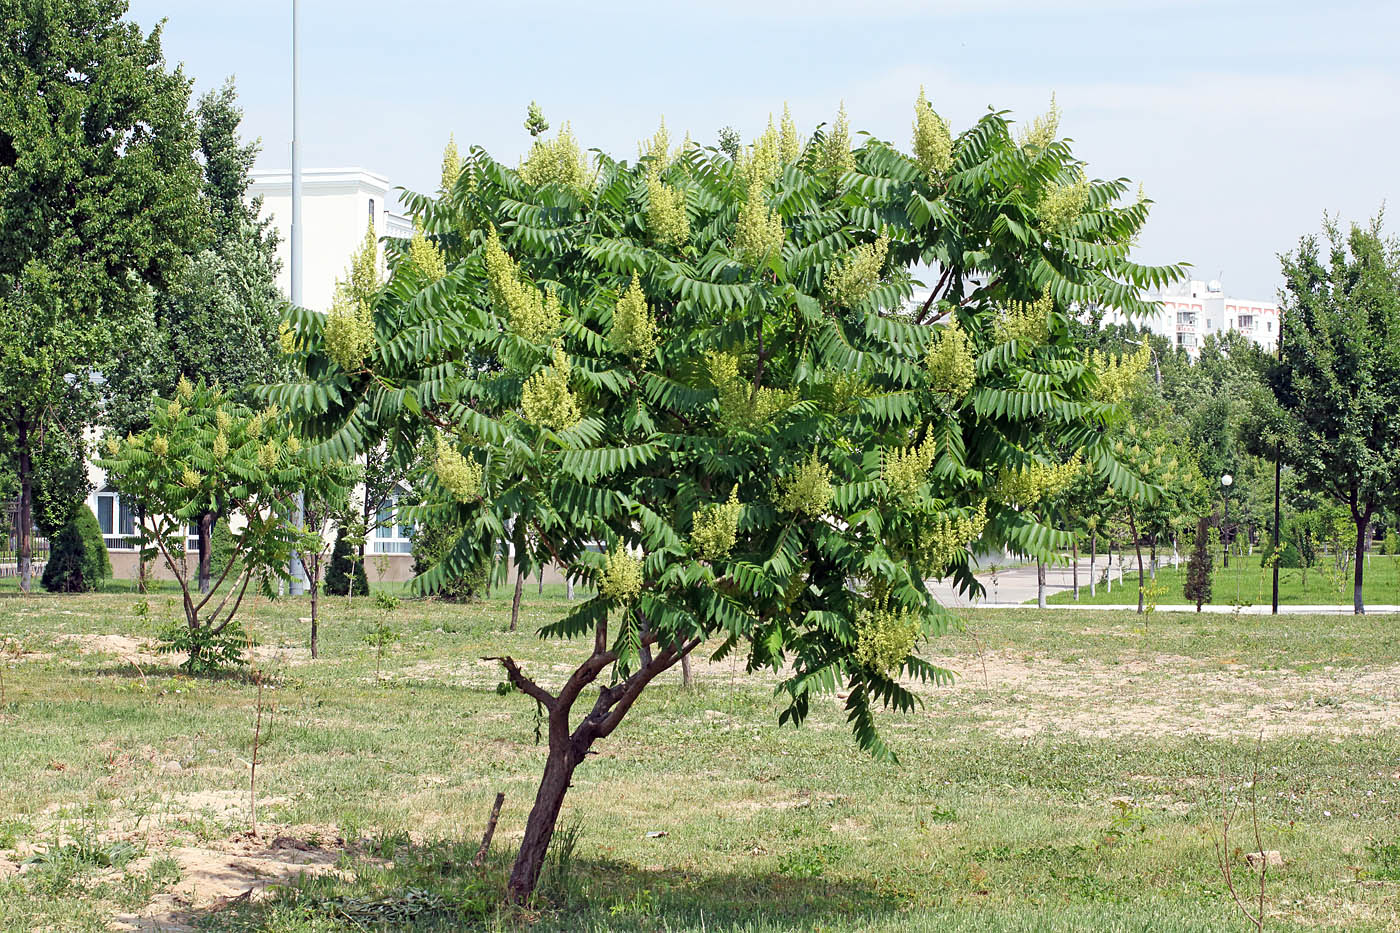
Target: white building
[(337, 205), (1190, 312)]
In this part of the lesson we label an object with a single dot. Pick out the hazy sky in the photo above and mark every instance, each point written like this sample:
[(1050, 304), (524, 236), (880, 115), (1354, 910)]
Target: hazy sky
[(1244, 120)]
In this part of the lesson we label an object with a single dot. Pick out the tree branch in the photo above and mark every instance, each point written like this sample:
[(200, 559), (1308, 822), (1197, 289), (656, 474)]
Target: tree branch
[(524, 684)]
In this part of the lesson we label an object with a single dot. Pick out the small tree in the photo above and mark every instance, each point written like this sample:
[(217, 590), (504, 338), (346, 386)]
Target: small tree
[(205, 454), (78, 560), (1199, 567), (346, 574), (709, 366)]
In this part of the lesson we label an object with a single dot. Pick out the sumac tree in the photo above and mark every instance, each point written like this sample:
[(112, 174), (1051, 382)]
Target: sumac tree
[(712, 369)]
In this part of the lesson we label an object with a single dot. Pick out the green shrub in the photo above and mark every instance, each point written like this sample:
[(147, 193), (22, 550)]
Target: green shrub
[(222, 547), (344, 562), (1391, 543), (1199, 566), (78, 560), (1289, 556), (210, 652), (431, 543)]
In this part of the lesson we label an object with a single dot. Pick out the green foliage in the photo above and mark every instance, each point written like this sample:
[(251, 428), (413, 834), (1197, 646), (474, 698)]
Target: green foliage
[(1289, 557), (1339, 378), (435, 537), (622, 577), (346, 570), (60, 480), (78, 560), (1391, 543), (207, 650), (685, 453)]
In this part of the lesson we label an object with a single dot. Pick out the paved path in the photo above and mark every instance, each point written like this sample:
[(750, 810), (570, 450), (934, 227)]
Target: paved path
[(1015, 586)]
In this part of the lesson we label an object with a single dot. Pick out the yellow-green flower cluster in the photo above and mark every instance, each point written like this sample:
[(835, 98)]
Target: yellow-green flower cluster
[(933, 143), (1037, 482), (857, 274), (758, 234), (189, 478), (293, 444), (789, 143), (657, 149), (885, 636), (223, 420), (951, 362), (1028, 321), (622, 576), (174, 409), (717, 527), (762, 161), (423, 258), (807, 489), (287, 339), (268, 455), (184, 389), (547, 401), (220, 446), (740, 405), (836, 155), (666, 217), (633, 329), (113, 446), (160, 445), (1061, 204), (529, 314), (451, 166), (348, 333), (1116, 377), (459, 475), (906, 468), (256, 425), (557, 161), (944, 538), (1043, 129)]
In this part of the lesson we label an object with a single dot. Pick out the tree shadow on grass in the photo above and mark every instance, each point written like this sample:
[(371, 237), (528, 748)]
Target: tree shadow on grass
[(434, 886)]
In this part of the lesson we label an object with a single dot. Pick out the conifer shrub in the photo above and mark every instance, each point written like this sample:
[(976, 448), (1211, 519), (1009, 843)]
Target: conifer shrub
[(345, 568), (1199, 566), (433, 541), (78, 560)]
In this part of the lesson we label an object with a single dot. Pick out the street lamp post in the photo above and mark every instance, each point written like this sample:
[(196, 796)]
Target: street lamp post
[(1225, 482), (297, 570)]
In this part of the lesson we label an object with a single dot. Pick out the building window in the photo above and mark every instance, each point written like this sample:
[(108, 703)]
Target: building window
[(371, 213), (1269, 326), (1246, 322), (116, 521), (392, 535), (1210, 325)]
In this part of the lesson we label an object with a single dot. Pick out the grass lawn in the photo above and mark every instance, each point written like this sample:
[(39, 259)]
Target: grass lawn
[(1247, 583), (1071, 779)]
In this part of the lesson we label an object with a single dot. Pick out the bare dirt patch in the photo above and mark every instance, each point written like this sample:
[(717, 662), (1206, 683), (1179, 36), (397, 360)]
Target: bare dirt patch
[(239, 868), (126, 649), (1163, 694)]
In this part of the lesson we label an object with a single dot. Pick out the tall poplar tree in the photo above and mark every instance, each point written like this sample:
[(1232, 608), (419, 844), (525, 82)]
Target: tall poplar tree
[(98, 202)]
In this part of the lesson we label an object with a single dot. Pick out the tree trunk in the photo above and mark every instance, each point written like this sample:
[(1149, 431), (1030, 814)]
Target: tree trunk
[(25, 518), (540, 592), (539, 827), (1152, 562), (1137, 546), (1358, 603), (1075, 552), (315, 594), (685, 670), (1093, 554), (140, 551), (206, 544), (1040, 583), (515, 603)]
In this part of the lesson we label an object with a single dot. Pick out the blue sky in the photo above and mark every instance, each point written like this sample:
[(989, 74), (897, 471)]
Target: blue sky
[(1244, 120)]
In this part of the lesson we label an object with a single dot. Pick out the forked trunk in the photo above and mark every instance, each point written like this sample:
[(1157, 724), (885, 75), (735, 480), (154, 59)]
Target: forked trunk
[(26, 520)]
